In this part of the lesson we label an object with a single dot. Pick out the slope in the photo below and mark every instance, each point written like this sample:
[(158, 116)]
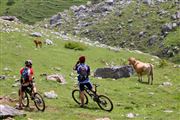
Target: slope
[(128, 95)]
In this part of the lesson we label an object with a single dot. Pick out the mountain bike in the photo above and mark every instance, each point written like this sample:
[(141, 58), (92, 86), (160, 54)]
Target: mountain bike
[(103, 101), (36, 97)]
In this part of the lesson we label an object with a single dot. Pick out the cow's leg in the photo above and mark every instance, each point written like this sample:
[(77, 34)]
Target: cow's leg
[(151, 79), (139, 77), (148, 79)]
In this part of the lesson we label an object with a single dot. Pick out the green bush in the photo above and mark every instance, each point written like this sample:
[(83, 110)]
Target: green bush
[(75, 46), (163, 63), (10, 2)]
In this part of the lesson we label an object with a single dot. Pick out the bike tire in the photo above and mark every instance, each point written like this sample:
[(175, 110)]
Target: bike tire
[(39, 102), (76, 97), (103, 101), (25, 99)]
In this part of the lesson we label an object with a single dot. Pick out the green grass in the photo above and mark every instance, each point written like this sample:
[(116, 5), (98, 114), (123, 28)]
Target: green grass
[(128, 95), (32, 11)]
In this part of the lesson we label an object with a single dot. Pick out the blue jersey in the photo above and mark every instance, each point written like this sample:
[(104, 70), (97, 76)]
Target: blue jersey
[(83, 71)]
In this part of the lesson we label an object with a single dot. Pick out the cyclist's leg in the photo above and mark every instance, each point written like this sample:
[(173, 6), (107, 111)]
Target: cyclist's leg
[(34, 90), (81, 88), (89, 86), (21, 92)]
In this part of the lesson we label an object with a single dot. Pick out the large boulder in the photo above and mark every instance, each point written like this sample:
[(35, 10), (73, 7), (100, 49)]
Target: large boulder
[(8, 111), (114, 72)]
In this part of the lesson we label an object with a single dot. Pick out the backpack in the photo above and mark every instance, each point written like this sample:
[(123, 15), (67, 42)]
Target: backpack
[(25, 75), (83, 73)]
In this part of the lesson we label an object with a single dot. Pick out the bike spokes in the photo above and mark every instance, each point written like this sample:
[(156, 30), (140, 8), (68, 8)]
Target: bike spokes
[(39, 102), (76, 97), (105, 103), (25, 100)]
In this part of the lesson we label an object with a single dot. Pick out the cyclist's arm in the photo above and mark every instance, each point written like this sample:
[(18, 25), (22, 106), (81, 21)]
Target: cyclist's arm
[(88, 71)]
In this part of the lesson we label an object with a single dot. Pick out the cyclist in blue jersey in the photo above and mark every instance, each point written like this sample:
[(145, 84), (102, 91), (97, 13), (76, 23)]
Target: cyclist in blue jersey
[(83, 71)]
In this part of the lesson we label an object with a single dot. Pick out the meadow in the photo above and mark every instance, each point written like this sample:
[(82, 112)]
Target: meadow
[(128, 95)]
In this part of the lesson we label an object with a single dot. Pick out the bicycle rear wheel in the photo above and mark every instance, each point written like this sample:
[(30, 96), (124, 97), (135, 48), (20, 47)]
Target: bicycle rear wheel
[(39, 102), (105, 103), (76, 97)]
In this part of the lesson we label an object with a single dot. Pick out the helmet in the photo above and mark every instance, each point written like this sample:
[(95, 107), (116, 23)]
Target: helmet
[(28, 62), (82, 59)]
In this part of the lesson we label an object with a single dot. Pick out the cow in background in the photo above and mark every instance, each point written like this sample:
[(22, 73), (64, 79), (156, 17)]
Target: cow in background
[(142, 69), (38, 43)]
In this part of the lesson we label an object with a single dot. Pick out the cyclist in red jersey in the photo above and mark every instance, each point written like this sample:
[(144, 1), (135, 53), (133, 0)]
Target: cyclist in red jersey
[(27, 76)]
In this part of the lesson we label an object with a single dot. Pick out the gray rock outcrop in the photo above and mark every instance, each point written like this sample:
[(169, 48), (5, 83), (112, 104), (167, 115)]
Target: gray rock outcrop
[(114, 72), (8, 111)]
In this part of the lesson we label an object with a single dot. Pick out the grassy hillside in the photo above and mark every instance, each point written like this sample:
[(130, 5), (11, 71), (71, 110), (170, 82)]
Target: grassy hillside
[(31, 11), (128, 95)]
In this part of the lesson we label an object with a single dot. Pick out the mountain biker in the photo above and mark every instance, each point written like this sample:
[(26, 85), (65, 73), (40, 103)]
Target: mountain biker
[(27, 76), (83, 71)]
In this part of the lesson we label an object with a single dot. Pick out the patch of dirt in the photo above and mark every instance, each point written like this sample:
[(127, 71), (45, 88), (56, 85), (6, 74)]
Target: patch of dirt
[(7, 100)]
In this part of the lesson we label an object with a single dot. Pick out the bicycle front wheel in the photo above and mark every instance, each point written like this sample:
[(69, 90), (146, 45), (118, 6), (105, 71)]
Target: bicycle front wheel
[(105, 103), (76, 97), (39, 102), (25, 100)]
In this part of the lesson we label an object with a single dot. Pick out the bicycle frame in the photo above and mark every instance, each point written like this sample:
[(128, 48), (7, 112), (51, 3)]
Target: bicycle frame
[(91, 93)]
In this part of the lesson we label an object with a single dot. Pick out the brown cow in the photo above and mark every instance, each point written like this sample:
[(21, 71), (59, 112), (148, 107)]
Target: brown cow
[(38, 43), (142, 69)]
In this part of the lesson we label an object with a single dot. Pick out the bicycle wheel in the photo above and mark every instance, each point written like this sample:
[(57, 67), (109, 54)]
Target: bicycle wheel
[(39, 102), (25, 99), (105, 103), (76, 97)]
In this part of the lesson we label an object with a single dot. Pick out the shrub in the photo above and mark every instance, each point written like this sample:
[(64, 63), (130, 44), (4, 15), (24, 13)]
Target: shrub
[(163, 63), (75, 46), (10, 2)]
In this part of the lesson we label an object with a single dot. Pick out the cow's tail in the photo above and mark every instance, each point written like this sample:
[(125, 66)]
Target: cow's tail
[(151, 73)]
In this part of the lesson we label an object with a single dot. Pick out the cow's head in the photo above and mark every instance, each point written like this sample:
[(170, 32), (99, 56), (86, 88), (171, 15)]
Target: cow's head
[(131, 61)]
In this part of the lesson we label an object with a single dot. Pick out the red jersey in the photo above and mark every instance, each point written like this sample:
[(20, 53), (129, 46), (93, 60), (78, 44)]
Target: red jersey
[(30, 73)]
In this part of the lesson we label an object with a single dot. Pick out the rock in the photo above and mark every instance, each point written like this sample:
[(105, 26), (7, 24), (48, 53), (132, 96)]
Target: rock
[(152, 40), (2, 77), (8, 111), (9, 18), (118, 13), (166, 28), (131, 115), (56, 77), (55, 19), (167, 84), (78, 8), (142, 34), (114, 72), (148, 2), (162, 12), (50, 95), (168, 111), (48, 42), (36, 34), (176, 16), (110, 2), (176, 66), (7, 69)]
